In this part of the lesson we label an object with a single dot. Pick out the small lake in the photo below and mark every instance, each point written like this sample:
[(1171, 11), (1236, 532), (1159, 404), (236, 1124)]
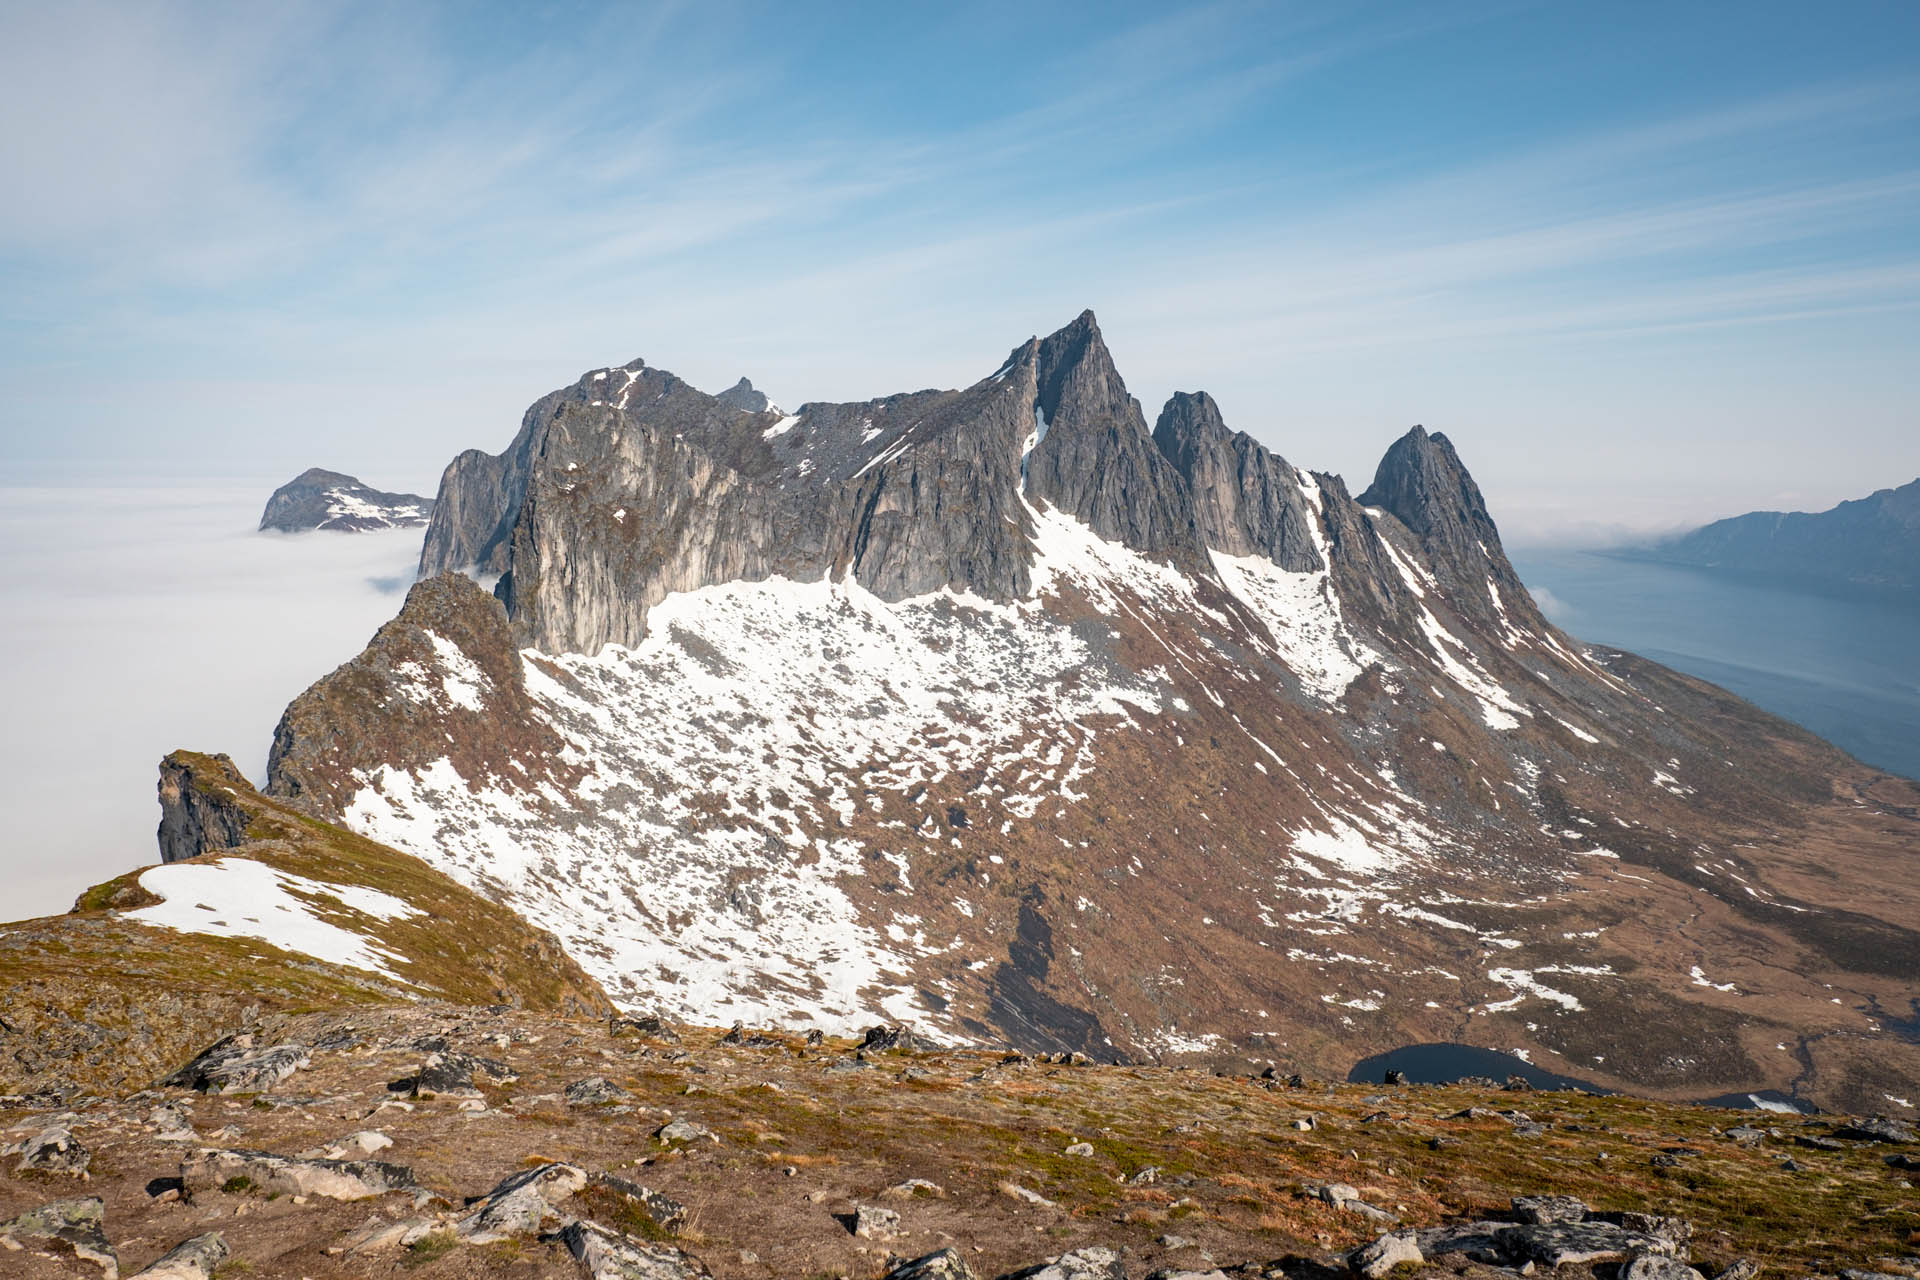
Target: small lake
[(1450, 1063), (1846, 667)]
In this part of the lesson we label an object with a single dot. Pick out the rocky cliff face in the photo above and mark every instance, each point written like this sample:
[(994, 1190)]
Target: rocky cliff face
[(1247, 500), (317, 499), (197, 815), (991, 712)]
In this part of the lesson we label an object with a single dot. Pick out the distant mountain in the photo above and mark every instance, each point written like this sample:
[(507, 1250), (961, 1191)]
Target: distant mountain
[(1013, 715), (1870, 544), (319, 499)]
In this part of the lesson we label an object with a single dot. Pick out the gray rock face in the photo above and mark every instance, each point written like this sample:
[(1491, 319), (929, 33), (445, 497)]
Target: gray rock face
[(1562, 1243), (1096, 460), (317, 499), (194, 1259), (196, 818), (632, 485), (594, 1091), (77, 1225), (1247, 500), (1422, 481)]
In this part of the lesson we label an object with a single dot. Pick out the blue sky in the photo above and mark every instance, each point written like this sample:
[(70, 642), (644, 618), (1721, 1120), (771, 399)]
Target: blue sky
[(1645, 263)]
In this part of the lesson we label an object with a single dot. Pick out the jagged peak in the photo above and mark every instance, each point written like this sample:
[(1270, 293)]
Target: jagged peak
[(1189, 417), (1422, 482), (742, 396)]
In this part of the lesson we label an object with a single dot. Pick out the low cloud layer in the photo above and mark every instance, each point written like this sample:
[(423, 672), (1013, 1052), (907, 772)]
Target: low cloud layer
[(141, 619)]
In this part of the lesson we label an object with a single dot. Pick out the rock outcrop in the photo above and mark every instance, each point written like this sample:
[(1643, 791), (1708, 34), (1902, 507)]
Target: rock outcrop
[(198, 813)]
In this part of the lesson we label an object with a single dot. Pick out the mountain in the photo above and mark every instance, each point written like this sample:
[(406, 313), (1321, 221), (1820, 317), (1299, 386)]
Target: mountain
[(317, 499), (998, 714), (1869, 544), (256, 908)]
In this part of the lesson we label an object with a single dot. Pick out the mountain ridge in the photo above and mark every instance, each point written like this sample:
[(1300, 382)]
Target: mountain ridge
[(1869, 544), (993, 712)]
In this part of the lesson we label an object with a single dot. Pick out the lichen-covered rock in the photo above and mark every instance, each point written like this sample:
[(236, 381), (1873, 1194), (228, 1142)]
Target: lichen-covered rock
[(212, 1168), (947, 1264), (521, 1203), (194, 1259), (595, 1091), (608, 1255), (1378, 1258), (53, 1150), (1540, 1209), (77, 1226), (1094, 1262), (236, 1065)]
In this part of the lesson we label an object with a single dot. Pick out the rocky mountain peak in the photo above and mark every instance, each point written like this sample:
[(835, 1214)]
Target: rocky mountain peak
[(332, 500), (1422, 483)]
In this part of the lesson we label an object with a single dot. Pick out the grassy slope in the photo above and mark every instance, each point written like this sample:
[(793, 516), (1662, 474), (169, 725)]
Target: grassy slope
[(95, 1000)]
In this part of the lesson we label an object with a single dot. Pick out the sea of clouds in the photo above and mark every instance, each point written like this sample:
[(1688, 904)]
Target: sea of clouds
[(145, 617)]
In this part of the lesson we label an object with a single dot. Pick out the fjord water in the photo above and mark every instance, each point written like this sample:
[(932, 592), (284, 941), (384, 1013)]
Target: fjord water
[(1846, 667)]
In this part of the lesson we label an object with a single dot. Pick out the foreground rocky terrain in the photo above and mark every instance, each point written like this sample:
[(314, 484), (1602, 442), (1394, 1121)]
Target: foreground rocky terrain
[(438, 1140), (321, 499), (999, 714)]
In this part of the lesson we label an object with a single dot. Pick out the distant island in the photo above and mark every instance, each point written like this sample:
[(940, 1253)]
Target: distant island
[(1869, 544), (320, 499)]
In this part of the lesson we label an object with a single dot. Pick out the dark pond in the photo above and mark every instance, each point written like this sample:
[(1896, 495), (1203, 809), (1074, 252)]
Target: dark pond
[(1447, 1063)]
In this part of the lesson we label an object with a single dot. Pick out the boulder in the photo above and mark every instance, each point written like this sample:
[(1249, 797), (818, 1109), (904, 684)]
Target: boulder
[(893, 1040), (1094, 1262), (681, 1131), (77, 1225), (521, 1203), (663, 1210), (449, 1073), (194, 1259), (1541, 1209), (1385, 1253), (1560, 1244), (53, 1150), (211, 1168), (595, 1091), (1655, 1266), (1878, 1129), (608, 1255), (237, 1065), (871, 1222), (947, 1264)]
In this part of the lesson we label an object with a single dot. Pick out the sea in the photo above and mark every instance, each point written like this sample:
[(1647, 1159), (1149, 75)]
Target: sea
[(1845, 666)]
